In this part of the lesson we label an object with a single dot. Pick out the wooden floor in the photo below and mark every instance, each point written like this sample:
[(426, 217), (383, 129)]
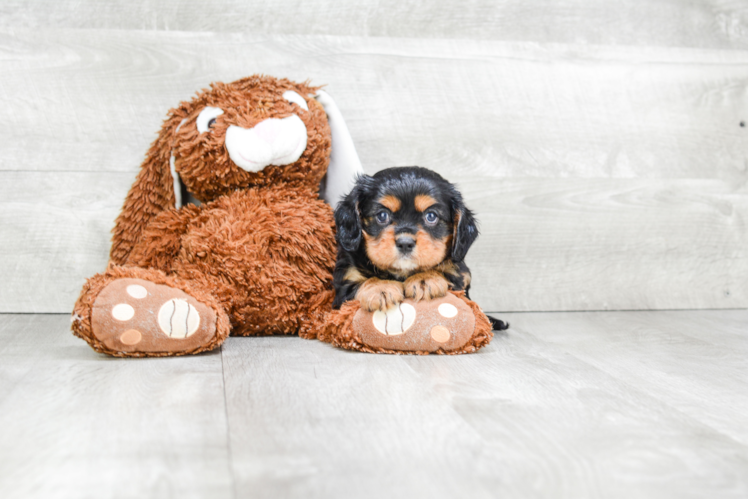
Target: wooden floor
[(563, 404)]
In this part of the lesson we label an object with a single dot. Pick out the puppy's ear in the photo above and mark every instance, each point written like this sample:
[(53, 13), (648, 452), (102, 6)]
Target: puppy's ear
[(154, 190), (348, 218), (464, 229)]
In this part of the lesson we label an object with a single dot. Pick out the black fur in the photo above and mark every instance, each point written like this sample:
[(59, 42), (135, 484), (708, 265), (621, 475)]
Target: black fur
[(357, 213)]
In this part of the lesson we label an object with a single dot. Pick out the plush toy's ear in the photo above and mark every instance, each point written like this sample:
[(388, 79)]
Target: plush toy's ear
[(348, 220), (153, 192), (344, 166), (464, 230)]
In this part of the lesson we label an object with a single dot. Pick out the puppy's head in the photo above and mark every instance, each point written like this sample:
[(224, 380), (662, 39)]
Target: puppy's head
[(407, 219)]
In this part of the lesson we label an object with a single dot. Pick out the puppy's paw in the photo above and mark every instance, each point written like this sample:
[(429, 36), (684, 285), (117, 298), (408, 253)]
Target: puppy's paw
[(426, 286), (379, 295)]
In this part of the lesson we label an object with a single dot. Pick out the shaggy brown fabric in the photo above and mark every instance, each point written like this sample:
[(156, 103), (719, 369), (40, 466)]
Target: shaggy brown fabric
[(339, 331), (82, 313), (265, 254), (202, 160), (261, 246)]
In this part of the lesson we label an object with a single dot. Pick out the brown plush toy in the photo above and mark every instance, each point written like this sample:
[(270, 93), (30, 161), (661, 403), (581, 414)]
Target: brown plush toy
[(254, 256)]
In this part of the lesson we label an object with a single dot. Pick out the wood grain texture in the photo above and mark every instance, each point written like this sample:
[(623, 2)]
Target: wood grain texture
[(605, 177), (94, 100), (663, 354), (601, 244), (79, 424), (532, 415), (309, 420), (55, 234), (556, 424), (609, 404), (683, 23)]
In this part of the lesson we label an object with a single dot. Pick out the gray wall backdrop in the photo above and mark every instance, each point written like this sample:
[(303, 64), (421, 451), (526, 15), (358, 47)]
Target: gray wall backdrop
[(599, 142)]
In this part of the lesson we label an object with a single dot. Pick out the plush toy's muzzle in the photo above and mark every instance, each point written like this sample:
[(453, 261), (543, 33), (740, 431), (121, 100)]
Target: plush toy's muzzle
[(272, 141)]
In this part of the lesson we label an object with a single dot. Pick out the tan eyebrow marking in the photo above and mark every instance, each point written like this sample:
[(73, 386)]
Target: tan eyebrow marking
[(423, 202), (390, 202)]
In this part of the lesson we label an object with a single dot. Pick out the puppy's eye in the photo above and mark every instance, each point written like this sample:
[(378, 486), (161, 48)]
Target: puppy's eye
[(207, 118), (295, 98), (383, 217), (431, 218)]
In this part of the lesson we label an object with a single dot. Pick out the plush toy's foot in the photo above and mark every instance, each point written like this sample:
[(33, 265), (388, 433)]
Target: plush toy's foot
[(448, 325), (136, 312)]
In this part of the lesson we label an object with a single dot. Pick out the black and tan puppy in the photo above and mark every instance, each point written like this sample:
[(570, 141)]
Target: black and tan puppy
[(403, 232)]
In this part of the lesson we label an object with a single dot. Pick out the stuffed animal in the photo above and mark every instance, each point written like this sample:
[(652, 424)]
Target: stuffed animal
[(253, 253)]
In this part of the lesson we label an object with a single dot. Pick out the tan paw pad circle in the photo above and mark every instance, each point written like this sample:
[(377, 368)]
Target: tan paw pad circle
[(123, 312), (130, 337), (440, 333), (137, 291), (177, 318)]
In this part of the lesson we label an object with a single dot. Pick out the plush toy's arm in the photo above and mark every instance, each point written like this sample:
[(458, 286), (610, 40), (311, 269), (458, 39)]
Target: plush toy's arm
[(151, 194), (160, 242)]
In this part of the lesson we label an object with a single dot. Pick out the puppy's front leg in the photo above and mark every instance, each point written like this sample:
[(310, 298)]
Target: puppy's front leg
[(379, 295), (427, 285)]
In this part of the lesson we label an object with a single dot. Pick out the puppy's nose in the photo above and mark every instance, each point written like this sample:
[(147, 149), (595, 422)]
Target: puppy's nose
[(405, 244)]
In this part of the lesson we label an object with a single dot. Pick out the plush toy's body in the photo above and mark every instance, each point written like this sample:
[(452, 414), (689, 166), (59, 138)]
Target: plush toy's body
[(255, 258)]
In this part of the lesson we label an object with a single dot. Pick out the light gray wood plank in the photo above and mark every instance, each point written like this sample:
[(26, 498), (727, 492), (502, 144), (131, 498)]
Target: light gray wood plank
[(688, 362), (55, 234), (309, 420), (561, 405), (601, 244), (522, 418), (687, 23), (604, 177), (79, 424), (545, 245), (556, 424), (94, 100)]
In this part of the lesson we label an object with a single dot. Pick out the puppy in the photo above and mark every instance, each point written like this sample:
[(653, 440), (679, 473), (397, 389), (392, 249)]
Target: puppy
[(403, 232)]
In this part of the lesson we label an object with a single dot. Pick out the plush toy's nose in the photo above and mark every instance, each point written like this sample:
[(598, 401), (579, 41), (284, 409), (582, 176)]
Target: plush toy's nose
[(269, 129)]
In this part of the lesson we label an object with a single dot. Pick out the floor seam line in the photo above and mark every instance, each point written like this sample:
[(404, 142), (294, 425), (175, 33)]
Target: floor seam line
[(228, 426)]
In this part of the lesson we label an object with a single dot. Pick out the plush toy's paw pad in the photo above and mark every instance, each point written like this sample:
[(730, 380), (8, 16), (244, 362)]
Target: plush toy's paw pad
[(446, 323), (136, 316)]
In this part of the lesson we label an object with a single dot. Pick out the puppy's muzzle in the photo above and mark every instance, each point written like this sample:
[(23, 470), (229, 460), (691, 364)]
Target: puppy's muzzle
[(405, 244)]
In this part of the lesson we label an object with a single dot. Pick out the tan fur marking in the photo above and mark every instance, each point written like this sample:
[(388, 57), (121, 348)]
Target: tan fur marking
[(354, 275), (379, 295), (423, 202), (466, 277), (382, 250), (448, 267), (391, 202), (427, 285), (429, 252)]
